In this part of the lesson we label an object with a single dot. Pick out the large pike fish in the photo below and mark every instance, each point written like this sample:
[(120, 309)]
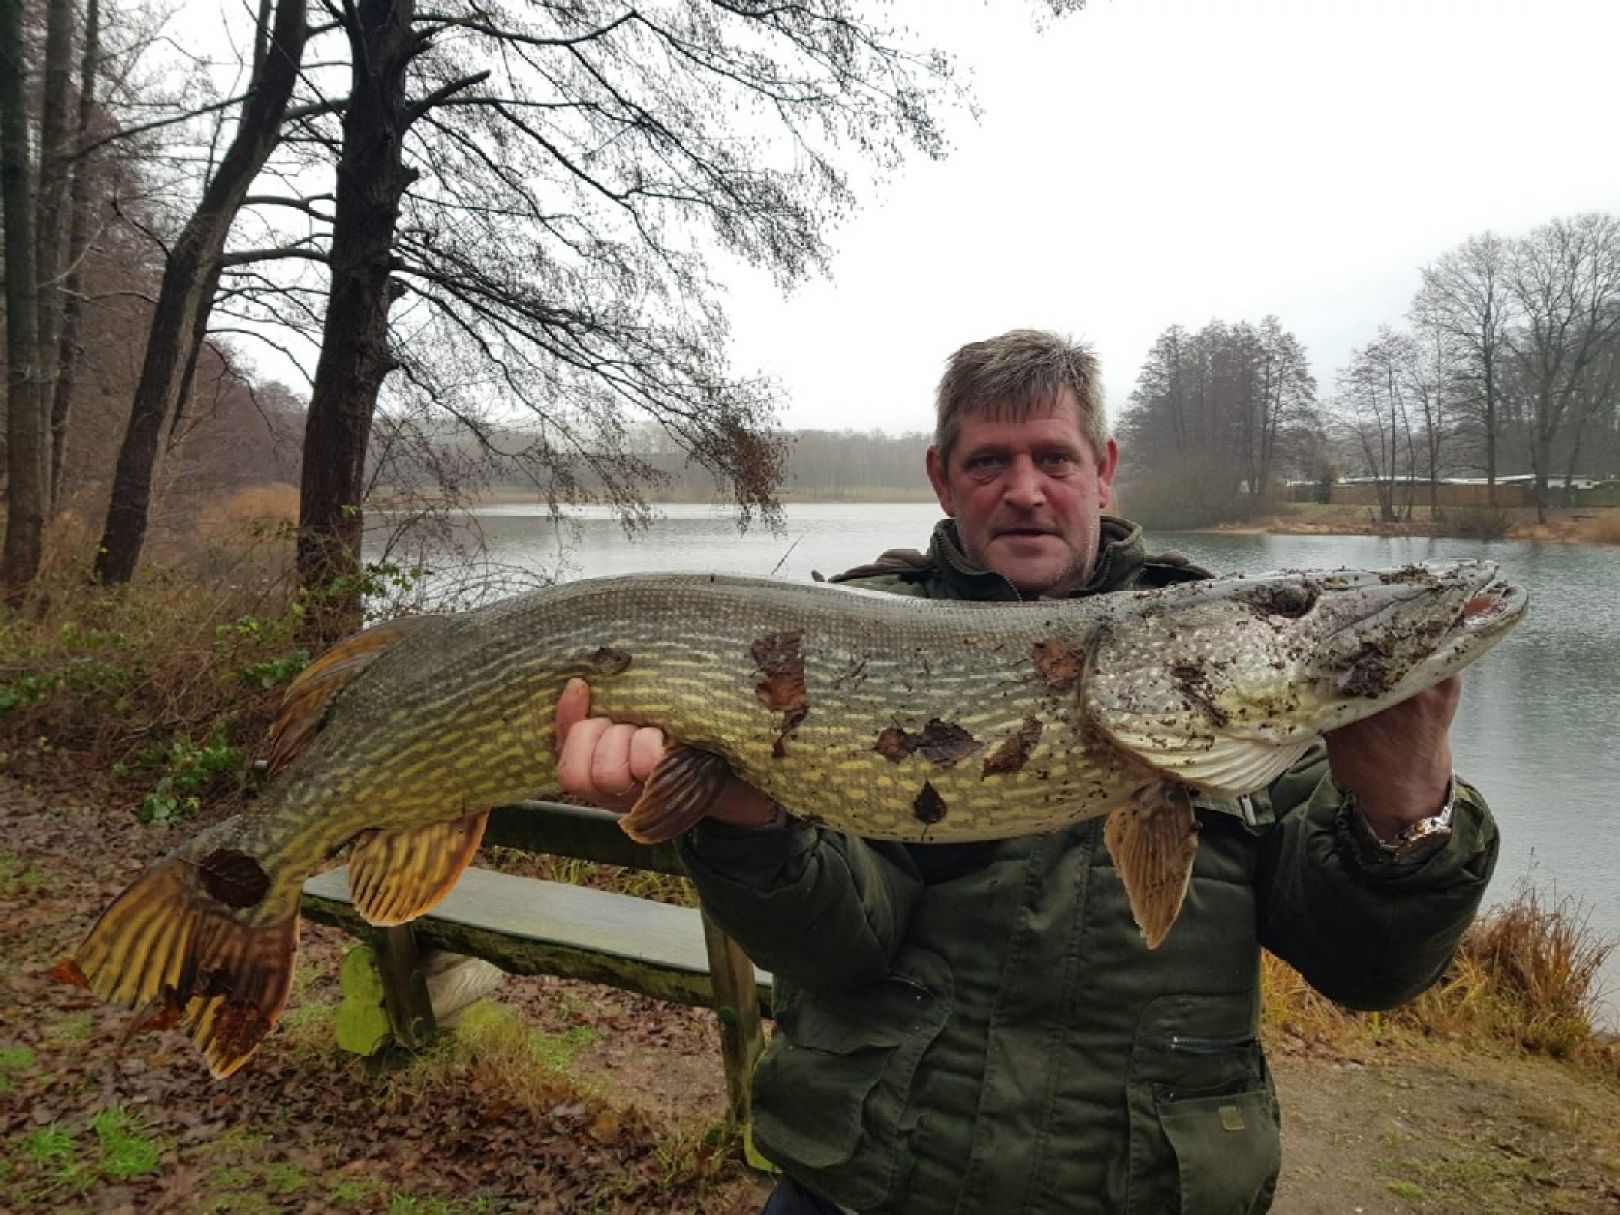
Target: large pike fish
[(878, 715)]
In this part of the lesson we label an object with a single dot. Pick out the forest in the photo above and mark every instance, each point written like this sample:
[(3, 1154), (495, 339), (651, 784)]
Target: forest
[(1506, 364)]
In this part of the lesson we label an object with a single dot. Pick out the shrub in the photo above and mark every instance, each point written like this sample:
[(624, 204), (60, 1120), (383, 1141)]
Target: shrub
[(1475, 522), (1525, 977)]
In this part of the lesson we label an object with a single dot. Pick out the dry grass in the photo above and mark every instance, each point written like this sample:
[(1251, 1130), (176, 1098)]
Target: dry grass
[(1602, 527), (112, 674), (1526, 975), (1525, 978)]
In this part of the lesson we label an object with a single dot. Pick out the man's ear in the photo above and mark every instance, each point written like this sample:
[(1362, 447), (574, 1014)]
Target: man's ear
[(937, 478), (1107, 466)]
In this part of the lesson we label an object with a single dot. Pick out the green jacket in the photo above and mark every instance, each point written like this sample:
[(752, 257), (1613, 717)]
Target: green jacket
[(977, 1028)]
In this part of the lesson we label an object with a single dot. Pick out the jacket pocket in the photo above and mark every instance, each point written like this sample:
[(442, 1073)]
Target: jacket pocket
[(1204, 1131), (1227, 1150), (831, 1094)]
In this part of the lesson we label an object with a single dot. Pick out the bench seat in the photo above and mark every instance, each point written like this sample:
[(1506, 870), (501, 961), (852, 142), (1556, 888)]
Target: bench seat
[(528, 926)]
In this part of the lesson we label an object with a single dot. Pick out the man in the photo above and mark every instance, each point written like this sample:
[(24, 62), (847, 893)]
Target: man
[(979, 1028)]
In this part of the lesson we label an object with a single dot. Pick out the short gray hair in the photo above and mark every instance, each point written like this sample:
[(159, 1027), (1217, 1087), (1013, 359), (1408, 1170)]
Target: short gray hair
[(1014, 375)]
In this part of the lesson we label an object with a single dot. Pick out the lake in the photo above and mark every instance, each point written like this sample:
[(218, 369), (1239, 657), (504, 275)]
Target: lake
[(1539, 727)]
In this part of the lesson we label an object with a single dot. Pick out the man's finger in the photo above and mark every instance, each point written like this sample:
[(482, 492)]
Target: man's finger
[(573, 707), (610, 762), (574, 758), (646, 750)]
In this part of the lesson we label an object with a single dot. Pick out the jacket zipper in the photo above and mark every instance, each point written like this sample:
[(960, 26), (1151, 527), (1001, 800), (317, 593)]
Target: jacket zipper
[(1211, 1046)]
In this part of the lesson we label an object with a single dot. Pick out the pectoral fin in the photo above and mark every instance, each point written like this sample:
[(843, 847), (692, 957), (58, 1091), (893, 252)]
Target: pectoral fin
[(679, 792), (1153, 840), (394, 876), (1221, 765)]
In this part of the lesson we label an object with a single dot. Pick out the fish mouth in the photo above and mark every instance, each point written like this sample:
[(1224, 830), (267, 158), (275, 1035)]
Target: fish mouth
[(1493, 606), (1484, 613)]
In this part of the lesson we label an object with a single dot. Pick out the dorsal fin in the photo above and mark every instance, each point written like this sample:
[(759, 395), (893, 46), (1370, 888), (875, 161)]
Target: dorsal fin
[(303, 709)]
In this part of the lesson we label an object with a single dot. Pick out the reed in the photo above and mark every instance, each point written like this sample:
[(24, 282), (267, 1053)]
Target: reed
[(1525, 977)]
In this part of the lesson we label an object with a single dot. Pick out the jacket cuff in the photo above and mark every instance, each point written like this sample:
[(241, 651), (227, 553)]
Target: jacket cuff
[(1467, 853), (770, 857)]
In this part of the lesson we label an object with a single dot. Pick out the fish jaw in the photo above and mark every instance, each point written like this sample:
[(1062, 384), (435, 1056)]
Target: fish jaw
[(1447, 618), (1224, 684)]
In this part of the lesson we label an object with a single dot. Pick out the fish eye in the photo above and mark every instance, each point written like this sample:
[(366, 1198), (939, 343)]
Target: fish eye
[(1288, 601)]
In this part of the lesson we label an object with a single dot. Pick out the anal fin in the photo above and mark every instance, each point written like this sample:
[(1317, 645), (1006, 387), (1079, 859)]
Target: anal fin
[(394, 876), (678, 793), (1153, 840)]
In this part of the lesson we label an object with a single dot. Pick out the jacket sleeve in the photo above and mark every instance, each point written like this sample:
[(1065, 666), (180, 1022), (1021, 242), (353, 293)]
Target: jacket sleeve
[(1369, 935), (822, 909)]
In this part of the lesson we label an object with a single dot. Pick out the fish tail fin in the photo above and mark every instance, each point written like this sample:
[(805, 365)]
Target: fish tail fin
[(173, 949)]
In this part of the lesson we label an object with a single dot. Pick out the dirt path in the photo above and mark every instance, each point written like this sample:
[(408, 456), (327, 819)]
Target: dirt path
[(611, 1111)]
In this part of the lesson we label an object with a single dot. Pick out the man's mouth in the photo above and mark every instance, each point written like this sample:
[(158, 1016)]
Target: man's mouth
[(1022, 533)]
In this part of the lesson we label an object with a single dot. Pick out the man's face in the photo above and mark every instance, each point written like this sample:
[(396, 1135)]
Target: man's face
[(1027, 496)]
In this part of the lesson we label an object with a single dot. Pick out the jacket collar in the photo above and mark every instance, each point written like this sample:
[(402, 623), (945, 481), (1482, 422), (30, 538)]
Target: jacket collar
[(1120, 555)]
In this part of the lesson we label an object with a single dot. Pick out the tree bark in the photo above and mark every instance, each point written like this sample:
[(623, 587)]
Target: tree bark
[(68, 352), (355, 356), (49, 221), (186, 296), (25, 402)]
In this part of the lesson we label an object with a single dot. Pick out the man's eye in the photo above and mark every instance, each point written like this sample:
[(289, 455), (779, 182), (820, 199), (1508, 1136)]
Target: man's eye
[(1059, 463), (983, 466)]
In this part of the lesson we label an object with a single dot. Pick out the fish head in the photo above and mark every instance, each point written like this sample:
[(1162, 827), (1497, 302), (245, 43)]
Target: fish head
[(1223, 683)]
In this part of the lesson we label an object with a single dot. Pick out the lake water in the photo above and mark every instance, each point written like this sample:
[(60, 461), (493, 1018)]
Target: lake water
[(1539, 727)]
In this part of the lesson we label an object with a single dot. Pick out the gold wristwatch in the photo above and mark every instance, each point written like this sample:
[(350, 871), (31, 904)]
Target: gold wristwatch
[(1415, 842)]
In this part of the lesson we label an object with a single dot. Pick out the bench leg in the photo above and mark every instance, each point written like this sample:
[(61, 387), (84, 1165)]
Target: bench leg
[(405, 993), (736, 1003)]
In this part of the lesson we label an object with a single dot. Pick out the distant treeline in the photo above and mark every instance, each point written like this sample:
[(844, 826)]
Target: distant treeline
[(820, 465)]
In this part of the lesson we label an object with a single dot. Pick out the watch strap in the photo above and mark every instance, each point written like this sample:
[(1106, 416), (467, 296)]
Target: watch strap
[(1413, 843)]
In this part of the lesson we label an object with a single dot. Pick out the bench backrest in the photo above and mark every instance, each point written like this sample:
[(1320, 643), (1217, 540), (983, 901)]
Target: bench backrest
[(582, 832)]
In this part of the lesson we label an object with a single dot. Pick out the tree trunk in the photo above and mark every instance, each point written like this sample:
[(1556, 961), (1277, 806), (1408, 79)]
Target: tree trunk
[(67, 357), (1541, 454), (49, 220), (355, 356), (186, 297), (25, 403)]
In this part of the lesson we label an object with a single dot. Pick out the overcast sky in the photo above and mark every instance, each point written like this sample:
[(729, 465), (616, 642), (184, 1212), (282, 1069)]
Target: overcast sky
[(1144, 163)]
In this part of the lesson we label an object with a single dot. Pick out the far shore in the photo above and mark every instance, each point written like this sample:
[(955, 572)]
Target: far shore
[(1588, 525)]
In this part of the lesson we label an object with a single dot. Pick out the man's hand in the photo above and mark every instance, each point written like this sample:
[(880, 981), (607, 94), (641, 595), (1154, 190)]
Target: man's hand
[(1398, 762), (607, 762)]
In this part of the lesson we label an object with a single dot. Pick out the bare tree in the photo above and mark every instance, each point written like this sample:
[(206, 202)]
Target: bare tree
[(50, 219), (78, 245), (25, 401), (1211, 417), (1372, 400), (527, 205), (1465, 297), (1285, 400), (1429, 375), (1565, 281), (191, 274)]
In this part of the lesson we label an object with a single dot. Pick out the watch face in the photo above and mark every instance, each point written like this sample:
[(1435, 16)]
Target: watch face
[(1423, 838), (1415, 843)]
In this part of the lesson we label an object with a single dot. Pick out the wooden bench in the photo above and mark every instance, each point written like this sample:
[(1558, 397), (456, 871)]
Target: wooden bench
[(528, 926)]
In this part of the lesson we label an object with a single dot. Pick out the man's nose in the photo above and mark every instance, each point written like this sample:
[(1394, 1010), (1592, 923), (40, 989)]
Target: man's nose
[(1025, 487)]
